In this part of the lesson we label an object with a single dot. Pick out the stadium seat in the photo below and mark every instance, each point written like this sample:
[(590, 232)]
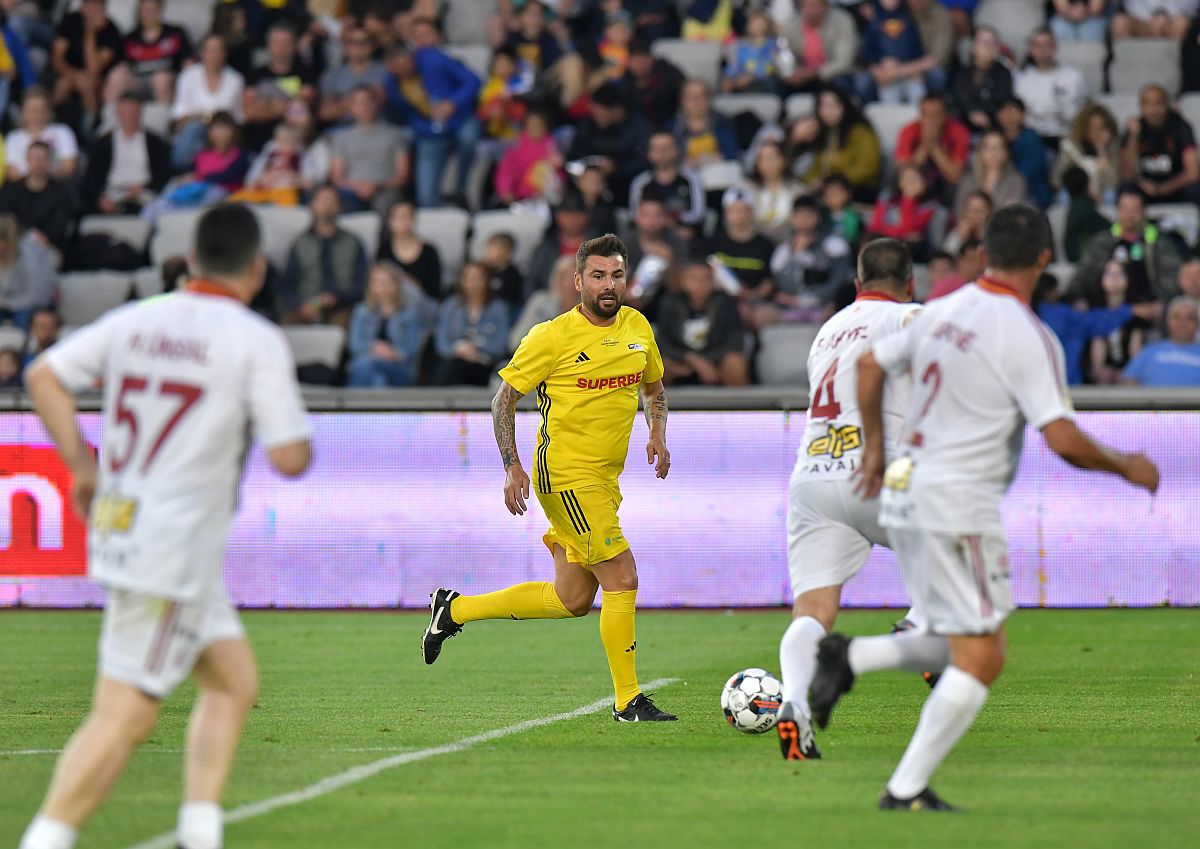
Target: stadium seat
[(797, 105), (889, 119), (783, 354), (12, 337), (1181, 218), (525, 227), (1013, 20), (765, 107), (280, 227), (465, 22), (1057, 215), (133, 230), (156, 118), (1089, 57), (1123, 105), (317, 344), (147, 282), (477, 57), (1063, 272), (1144, 49), (173, 235), (86, 295), (123, 13), (1189, 108), (446, 229), (365, 225), (194, 16), (1129, 75), (718, 176), (697, 59)]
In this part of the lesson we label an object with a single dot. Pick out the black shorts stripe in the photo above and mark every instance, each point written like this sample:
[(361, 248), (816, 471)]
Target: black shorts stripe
[(578, 510), (543, 450), (571, 513)]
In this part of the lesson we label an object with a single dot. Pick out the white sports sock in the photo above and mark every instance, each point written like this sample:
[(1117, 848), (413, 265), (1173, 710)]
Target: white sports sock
[(948, 713), (200, 825), (798, 659), (46, 833), (911, 650)]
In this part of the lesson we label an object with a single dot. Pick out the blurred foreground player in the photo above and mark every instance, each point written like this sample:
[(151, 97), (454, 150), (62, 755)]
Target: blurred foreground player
[(830, 528), (187, 377), (588, 366), (983, 366)]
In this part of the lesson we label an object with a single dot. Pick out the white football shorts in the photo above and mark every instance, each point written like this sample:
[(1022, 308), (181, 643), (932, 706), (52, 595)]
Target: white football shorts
[(961, 582), (153, 643), (830, 533)]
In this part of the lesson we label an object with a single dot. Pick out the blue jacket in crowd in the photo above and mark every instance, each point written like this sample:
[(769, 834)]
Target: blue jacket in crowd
[(1077, 328), (489, 334), (405, 331), (892, 34), (444, 78)]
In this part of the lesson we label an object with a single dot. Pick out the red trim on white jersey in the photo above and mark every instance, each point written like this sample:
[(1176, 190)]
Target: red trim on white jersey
[(208, 287), (876, 295), (998, 288)]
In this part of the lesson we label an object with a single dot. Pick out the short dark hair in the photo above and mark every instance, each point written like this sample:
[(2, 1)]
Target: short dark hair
[(605, 246), (504, 238), (228, 240), (1075, 181), (940, 256), (887, 262), (1130, 189), (50, 311), (1012, 100), (41, 145), (1015, 237)]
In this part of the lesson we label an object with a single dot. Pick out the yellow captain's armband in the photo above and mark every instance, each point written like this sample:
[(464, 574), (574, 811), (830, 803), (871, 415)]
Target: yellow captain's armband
[(836, 442), (899, 474), (113, 515)]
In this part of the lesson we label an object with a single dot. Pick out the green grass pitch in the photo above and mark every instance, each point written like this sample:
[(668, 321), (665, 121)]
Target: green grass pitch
[(1091, 739)]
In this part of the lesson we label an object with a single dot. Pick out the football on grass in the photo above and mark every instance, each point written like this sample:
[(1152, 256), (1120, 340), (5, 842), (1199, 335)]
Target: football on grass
[(750, 700)]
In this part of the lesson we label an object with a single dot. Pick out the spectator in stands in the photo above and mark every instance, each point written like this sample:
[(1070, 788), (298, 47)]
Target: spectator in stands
[(1027, 150), (1176, 360), (961, 12), (1092, 147), (846, 144), (277, 175), (386, 333), (750, 60), (1153, 19), (271, 85), (773, 188), (1080, 20), (27, 275), (992, 171), (700, 333), (567, 232), (739, 246), (317, 160), (229, 22), (400, 244), (968, 265), (824, 41), (326, 268), (905, 213), (218, 170), (1159, 151), (505, 280), (1083, 217), (85, 49), (653, 86), (650, 236), (559, 71), (1189, 53), (548, 303), (45, 205), (677, 186), (938, 144), (10, 369), (359, 69), (531, 168), (1189, 277), (612, 137), (472, 331), (37, 125), (703, 135), (844, 219), (150, 58), (941, 271), (201, 91), (435, 95), (501, 107), (126, 167), (44, 328), (1052, 92), (937, 37), (597, 199), (984, 84), (812, 271), (898, 65), (968, 227), (1109, 354), (370, 157), (608, 60), (1152, 262)]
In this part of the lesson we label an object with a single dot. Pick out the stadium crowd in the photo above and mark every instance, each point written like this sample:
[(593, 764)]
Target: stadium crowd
[(743, 150)]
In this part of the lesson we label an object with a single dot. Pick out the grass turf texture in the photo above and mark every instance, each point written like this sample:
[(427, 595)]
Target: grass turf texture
[(1089, 740)]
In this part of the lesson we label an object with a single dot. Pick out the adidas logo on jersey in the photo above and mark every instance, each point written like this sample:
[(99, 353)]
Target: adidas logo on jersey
[(583, 358)]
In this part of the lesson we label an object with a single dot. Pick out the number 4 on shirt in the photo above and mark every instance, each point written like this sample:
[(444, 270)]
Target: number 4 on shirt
[(824, 405)]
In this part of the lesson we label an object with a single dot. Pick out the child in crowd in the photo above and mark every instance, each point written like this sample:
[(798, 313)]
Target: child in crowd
[(1109, 354), (219, 169), (531, 169), (10, 369), (904, 213), (751, 59), (500, 106), (275, 177), (506, 282), (1083, 217), (843, 219), (612, 53)]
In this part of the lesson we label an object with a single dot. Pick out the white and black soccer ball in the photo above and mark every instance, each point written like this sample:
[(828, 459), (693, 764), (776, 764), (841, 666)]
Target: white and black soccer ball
[(750, 700)]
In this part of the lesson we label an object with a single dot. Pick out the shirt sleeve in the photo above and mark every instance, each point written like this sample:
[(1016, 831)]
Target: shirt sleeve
[(531, 363), (1038, 377), (1136, 369), (80, 359), (277, 413), (654, 364)]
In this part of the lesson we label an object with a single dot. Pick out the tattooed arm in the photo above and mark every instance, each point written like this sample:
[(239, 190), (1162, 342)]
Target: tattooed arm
[(654, 399), (504, 421)]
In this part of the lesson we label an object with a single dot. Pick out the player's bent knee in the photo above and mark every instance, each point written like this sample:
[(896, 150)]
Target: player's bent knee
[(579, 607)]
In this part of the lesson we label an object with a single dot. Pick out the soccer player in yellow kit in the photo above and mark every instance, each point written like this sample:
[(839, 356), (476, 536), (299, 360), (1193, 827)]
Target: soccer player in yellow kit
[(587, 367)]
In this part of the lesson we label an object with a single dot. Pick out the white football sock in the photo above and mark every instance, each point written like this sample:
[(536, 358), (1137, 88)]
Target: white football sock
[(45, 833), (911, 650), (948, 713), (798, 660), (200, 825)]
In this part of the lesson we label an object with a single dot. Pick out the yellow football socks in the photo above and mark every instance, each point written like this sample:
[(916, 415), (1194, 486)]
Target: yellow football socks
[(620, 643), (531, 600)]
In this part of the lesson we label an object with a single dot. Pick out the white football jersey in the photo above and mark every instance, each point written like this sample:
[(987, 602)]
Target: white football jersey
[(832, 442), (188, 378), (982, 364)]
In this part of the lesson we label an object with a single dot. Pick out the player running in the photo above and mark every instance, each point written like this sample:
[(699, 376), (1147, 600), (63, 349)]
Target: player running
[(186, 378), (983, 366), (830, 529), (587, 366)]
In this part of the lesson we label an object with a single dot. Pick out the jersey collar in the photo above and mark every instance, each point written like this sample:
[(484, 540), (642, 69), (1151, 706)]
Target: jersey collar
[(876, 295), (998, 288), (208, 287)]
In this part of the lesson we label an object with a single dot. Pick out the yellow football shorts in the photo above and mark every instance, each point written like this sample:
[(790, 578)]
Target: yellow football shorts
[(584, 522)]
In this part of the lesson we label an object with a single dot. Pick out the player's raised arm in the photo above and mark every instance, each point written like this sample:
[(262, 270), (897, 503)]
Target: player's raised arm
[(504, 422), (55, 405), (1066, 440), (654, 400)]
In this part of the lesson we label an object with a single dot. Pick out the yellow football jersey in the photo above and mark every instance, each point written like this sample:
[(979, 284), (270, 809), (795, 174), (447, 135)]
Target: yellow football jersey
[(587, 380)]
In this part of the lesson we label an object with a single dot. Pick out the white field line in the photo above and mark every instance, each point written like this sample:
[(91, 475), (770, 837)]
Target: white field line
[(354, 775), (154, 750)]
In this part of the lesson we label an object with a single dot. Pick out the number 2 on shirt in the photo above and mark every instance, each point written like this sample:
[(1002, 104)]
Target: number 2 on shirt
[(187, 394), (824, 405)]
